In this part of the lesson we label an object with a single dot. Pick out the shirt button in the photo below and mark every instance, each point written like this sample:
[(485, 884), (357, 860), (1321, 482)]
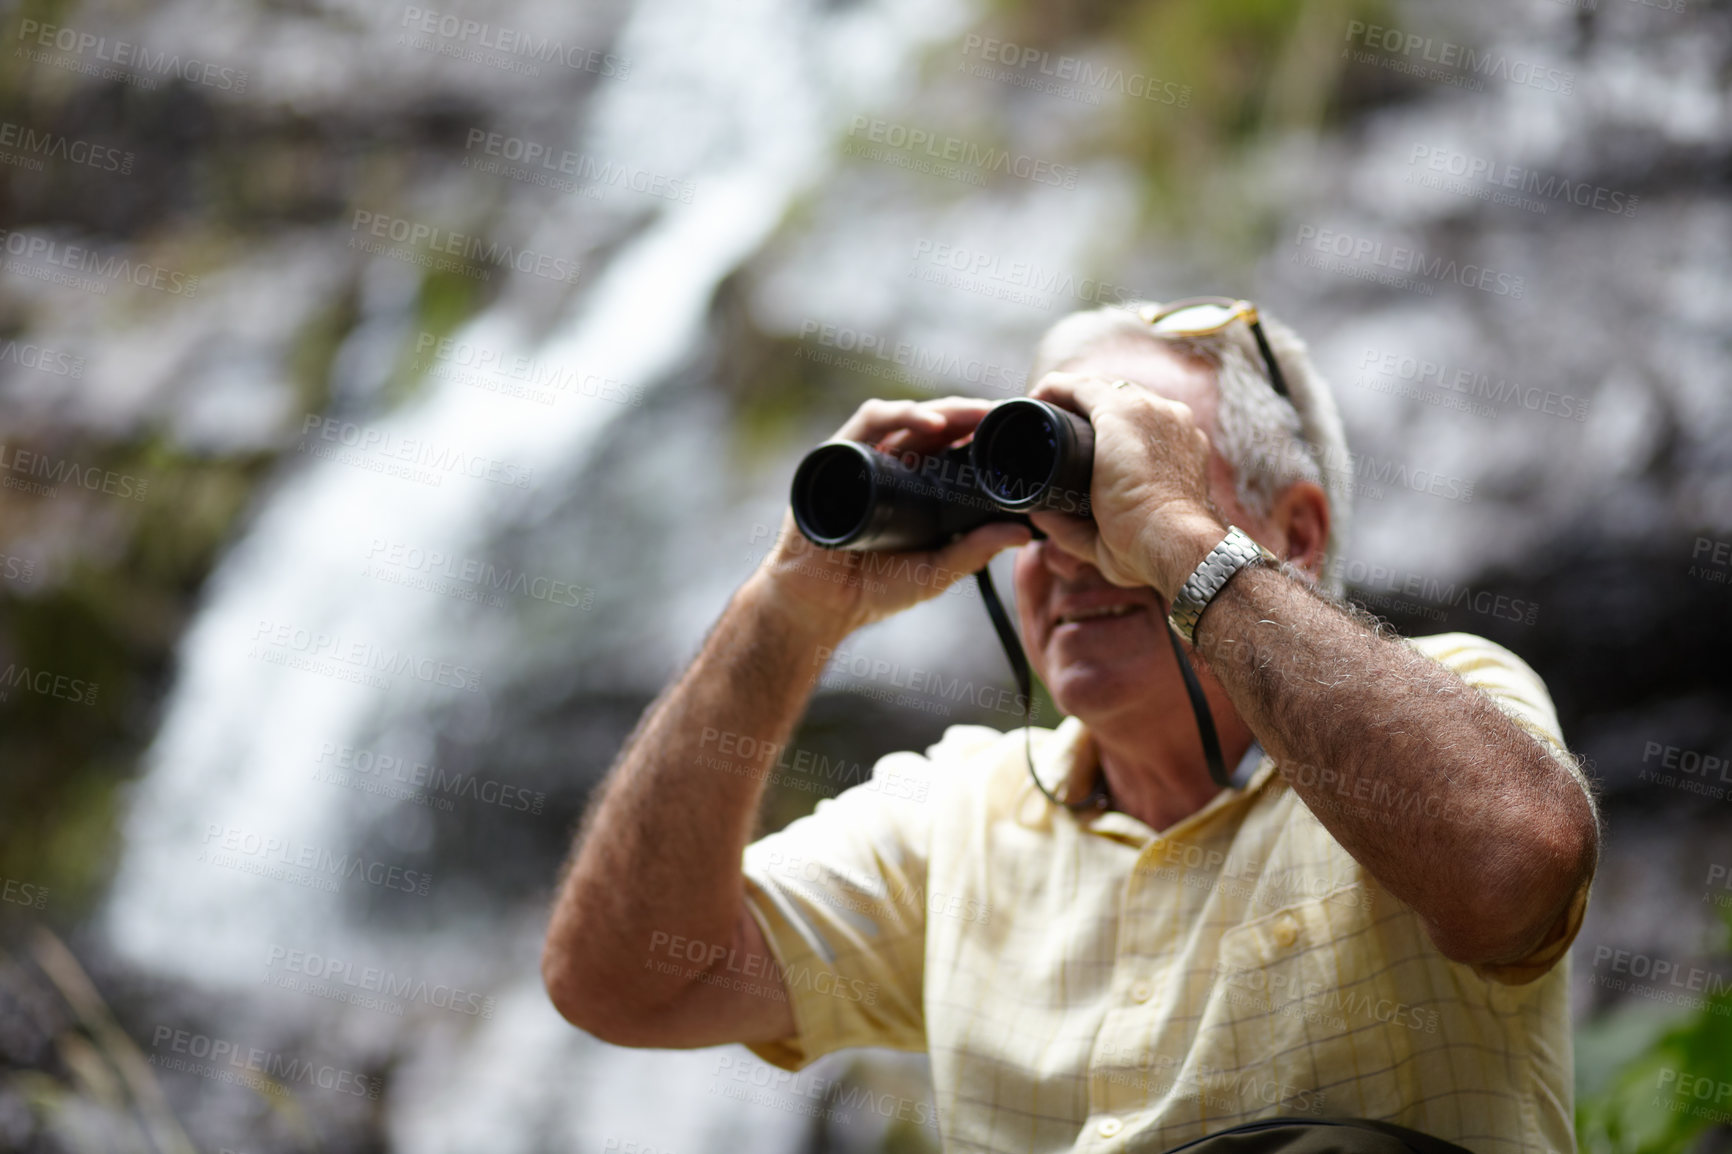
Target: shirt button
[(1109, 1126), (1286, 932), (1142, 992)]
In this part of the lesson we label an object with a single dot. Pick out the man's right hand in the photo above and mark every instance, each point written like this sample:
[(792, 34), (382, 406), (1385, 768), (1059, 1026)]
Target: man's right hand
[(662, 842), (837, 591)]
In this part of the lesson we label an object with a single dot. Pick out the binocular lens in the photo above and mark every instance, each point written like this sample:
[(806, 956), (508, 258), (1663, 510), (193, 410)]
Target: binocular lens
[(1033, 455), (1017, 454), (833, 494)]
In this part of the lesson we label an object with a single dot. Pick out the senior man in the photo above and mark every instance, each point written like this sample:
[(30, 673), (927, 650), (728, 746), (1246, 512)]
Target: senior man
[(1370, 921)]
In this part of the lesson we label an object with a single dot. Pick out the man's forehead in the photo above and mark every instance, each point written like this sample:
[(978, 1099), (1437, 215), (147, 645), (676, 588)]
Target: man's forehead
[(1157, 366)]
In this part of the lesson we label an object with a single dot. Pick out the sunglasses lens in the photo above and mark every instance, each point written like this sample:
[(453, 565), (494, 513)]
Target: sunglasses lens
[(1202, 318)]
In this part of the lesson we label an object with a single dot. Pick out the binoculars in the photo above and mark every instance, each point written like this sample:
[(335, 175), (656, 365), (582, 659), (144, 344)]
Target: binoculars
[(1026, 456)]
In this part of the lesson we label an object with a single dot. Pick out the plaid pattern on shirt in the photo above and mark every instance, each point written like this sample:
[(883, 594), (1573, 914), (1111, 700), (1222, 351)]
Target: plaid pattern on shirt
[(1084, 983)]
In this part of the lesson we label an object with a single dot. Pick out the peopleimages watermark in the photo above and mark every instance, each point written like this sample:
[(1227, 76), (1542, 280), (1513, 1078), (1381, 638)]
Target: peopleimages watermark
[(122, 60), (1369, 476), (1659, 979), (1020, 282), (904, 361), (367, 987), (55, 262), (832, 1099), (1216, 1088), (1688, 770), (1327, 788), (759, 975), (1462, 389), (799, 769), (1493, 181), (867, 569), (46, 683), (564, 170), (926, 690), (951, 157), (1718, 888), (1397, 266), (40, 475), (854, 568), (1385, 588), (537, 379), (614, 1145), (389, 775), (22, 893), (1711, 560), (359, 661), (1323, 1003), (28, 355), (1070, 77), (380, 450), (301, 863), (1446, 62), (446, 250), (16, 568), (502, 46), (1195, 866), (269, 1072), (837, 567), (1697, 1095), (466, 578), (35, 147)]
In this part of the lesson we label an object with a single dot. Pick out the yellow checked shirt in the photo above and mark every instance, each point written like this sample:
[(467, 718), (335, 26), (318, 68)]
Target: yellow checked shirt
[(1087, 984)]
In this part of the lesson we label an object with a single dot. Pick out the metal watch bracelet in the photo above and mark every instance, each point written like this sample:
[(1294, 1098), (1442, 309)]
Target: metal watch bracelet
[(1235, 551)]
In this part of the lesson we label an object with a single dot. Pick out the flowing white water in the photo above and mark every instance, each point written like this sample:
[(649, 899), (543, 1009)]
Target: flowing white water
[(744, 100)]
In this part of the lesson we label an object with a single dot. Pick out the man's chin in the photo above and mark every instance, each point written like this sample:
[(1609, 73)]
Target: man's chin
[(1088, 689)]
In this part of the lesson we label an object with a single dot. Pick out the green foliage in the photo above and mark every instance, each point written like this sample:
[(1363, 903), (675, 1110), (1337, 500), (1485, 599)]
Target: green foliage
[(445, 302), (1666, 1094), (106, 625), (1244, 70)]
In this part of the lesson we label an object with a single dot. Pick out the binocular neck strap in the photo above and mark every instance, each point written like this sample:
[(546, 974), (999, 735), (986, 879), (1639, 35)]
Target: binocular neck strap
[(1025, 685)]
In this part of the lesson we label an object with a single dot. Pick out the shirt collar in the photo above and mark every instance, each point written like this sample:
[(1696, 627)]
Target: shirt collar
[(1069, 766)]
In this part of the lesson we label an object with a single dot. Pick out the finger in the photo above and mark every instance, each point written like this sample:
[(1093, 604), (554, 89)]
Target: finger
[(961, 415), (875, 420), (982, 545), (1074, 391), (959, 405), (1074, 535)]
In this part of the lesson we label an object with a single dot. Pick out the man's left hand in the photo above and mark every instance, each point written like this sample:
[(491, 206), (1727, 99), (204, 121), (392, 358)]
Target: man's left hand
[(1153, 519)]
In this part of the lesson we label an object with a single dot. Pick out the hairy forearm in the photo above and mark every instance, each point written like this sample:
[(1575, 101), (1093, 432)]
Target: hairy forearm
[(1451, 805), (660, 848)]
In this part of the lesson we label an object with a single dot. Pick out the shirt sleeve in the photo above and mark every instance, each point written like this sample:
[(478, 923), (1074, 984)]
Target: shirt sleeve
[(1513, 686), (840, 897)]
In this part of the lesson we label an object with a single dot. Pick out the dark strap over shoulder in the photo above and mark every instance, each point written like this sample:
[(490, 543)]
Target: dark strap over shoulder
[(1319, 1136)]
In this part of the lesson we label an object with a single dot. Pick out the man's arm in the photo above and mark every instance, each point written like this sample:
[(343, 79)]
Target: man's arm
[(1493, 866), (1453, 806), (659, 855)]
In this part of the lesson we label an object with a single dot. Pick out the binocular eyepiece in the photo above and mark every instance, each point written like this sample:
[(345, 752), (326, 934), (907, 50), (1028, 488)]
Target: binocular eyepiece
[(1026, 456)]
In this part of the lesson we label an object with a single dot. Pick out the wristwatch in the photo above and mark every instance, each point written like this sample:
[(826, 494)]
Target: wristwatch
[(1235, 551)]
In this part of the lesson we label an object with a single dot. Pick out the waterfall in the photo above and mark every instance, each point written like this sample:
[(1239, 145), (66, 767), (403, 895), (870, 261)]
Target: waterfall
[(741, 100)]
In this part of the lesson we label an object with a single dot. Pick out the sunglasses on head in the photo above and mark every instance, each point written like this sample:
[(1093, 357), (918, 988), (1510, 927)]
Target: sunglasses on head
[(1205, 316)]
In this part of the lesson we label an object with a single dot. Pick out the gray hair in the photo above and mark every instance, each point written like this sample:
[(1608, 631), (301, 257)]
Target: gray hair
[(1269, 441)]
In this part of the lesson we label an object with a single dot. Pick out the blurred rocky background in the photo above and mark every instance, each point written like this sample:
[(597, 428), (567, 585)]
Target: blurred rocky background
[(392, 395)]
